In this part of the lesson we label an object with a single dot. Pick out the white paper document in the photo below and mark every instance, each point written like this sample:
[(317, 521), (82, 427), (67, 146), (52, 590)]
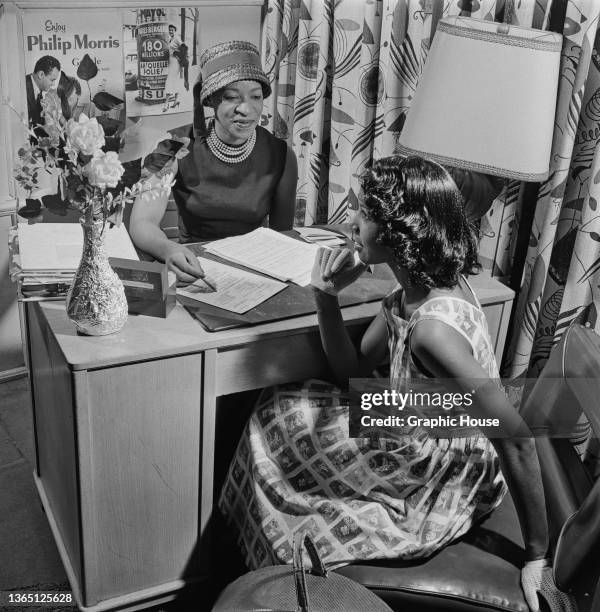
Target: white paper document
[(269, 252), (320, 236), (236, 290), (58, 246)]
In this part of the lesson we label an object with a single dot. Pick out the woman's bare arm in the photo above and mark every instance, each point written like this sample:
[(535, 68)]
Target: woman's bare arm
[(144, 227), (446, 354)]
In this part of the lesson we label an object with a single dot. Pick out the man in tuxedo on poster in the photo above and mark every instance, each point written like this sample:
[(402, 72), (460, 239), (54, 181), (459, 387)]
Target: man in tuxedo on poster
[(45, 74)]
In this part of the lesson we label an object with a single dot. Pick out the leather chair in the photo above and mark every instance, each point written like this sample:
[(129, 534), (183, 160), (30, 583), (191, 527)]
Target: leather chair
[(571, 378), (482, 570)]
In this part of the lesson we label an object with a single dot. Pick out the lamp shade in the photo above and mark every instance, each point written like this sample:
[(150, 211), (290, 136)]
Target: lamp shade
[(486, 99)]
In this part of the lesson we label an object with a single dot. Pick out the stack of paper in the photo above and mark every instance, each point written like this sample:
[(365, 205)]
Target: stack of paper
[(269, 252), (320, 236), (45, 256)]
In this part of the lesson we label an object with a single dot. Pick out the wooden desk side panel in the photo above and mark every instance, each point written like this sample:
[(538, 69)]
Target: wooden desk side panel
[(497, 316), (140, 474), (55, 433), (269, 362)]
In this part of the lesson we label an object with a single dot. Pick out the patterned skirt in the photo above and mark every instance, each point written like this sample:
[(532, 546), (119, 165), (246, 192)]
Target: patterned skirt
[(296, 469)]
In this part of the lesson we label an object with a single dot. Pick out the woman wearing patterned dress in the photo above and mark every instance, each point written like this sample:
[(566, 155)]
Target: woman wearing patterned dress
[(406, 493)]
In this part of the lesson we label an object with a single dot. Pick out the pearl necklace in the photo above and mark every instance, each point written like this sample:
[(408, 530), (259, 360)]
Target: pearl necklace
[(227, 153)]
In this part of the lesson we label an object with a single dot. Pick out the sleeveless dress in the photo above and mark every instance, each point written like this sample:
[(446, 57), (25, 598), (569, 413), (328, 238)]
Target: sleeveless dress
[(401, 497), (216, 199)]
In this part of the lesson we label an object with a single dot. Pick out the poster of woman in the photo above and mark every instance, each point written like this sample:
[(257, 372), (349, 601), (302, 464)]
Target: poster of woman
[(161, 50)]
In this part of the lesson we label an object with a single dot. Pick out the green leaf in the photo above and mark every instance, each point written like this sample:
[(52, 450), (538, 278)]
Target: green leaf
[(117, 215), (105, 102), (87, 68)]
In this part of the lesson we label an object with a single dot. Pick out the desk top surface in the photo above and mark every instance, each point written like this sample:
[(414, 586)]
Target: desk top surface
[(145, 338)]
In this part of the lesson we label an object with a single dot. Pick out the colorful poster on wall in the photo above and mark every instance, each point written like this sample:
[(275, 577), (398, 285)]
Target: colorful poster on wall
[(80, 55), (160, 47)]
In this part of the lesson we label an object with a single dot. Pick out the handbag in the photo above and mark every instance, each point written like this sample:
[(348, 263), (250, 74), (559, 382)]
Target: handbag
[(281, 588)]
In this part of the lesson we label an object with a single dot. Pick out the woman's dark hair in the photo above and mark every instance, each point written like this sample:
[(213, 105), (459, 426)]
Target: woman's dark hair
[(421, 218), (66, 86)]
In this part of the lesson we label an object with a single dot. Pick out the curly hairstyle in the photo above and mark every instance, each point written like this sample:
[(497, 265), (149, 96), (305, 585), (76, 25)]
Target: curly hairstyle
[(420, 214)]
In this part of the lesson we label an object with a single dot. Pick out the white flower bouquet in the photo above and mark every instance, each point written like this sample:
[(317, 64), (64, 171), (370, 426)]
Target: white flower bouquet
[(70, 159)]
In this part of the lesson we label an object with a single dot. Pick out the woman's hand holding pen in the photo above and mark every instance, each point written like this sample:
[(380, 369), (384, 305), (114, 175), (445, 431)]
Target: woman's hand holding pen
[(335, 269), (184, 263)]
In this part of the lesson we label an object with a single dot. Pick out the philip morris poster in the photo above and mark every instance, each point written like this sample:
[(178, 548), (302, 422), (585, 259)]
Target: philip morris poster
[(161, 59), (83, 51)]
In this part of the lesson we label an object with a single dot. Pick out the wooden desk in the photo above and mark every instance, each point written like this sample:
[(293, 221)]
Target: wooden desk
[(125, 434)]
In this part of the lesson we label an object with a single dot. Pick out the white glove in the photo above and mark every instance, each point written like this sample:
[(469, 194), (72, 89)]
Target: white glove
[(335, 269), (536, 576)]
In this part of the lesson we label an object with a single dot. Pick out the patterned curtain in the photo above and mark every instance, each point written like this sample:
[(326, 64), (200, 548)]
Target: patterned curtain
[(562, 269), (344, 73)]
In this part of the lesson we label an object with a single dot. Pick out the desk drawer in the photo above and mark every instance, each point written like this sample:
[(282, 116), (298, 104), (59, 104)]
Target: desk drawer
[(273, 361), (300, 356)]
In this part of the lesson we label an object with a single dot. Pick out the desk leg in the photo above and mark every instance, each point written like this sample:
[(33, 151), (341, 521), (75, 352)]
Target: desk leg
[(207, 453)]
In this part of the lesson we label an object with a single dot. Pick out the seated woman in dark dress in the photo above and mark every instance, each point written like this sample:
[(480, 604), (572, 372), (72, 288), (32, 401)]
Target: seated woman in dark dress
[(236, 174)]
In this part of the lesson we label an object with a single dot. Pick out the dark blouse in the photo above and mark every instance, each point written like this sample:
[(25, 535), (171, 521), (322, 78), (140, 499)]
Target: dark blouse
[(216, 199)]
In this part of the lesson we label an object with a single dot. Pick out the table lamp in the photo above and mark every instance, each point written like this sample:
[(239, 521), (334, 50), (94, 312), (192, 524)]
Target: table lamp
[(486, 99)]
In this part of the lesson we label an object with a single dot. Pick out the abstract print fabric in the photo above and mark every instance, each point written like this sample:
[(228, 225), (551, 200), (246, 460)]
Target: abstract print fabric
[(403, 496)]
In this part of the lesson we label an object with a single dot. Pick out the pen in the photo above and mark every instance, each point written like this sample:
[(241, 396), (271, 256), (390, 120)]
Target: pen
[(211, 283)]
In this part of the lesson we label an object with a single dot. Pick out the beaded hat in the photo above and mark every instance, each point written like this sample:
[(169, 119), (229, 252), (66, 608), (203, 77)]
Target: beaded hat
[(227, 62)]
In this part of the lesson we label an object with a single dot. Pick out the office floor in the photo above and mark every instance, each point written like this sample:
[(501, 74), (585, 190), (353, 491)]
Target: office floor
[(29, 559), (27, 549)]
